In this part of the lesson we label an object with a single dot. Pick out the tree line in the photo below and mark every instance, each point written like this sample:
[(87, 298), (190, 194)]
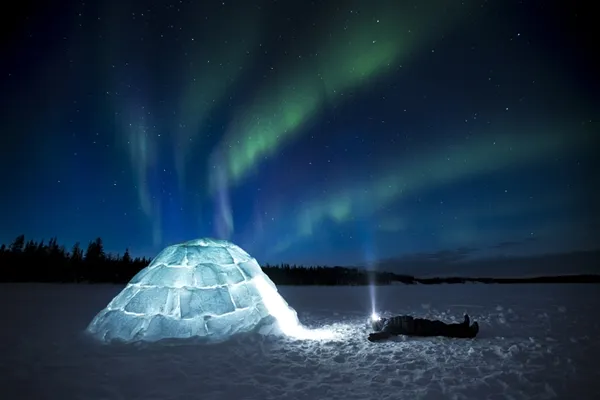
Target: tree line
[(30, 261)]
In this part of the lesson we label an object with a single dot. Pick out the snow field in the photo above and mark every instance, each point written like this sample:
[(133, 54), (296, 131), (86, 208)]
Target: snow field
[(535, 342)]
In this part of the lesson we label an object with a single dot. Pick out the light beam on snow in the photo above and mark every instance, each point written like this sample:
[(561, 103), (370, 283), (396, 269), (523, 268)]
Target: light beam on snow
[(374, 314), (370, 264), (286, 317)]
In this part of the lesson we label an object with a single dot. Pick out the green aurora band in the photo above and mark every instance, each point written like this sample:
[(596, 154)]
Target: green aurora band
[(350, 53), (203, 76), (210, 74), (475, 157)]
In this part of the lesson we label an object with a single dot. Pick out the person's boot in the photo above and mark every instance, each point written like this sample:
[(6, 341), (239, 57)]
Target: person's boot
[(467, 320), (474, 329)]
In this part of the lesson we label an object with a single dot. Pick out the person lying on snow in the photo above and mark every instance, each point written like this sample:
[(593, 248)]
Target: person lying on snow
[(406, 325)]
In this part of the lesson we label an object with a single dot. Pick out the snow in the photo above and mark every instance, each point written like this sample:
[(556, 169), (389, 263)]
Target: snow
[(535, 342)]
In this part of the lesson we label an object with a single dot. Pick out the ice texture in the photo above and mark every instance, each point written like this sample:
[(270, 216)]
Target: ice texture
[(203, 288)]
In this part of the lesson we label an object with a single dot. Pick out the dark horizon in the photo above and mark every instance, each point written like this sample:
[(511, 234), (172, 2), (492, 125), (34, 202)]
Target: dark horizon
[(462, 262), (580, 262)]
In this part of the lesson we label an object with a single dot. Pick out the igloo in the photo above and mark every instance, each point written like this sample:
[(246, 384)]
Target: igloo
[(204, 288)]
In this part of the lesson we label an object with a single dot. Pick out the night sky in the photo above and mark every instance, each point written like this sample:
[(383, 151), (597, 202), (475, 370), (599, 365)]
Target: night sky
[(335, 132)]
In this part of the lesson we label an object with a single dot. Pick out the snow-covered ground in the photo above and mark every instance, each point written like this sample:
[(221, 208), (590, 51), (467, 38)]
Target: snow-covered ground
[(536, 342)]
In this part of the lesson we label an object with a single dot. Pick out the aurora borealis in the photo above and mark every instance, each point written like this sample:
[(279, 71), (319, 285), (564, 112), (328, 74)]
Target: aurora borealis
[(333, 132)]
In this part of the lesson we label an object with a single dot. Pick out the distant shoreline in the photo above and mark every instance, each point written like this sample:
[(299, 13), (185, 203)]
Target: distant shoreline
[(28, 261), (404, 280), (538, 279)]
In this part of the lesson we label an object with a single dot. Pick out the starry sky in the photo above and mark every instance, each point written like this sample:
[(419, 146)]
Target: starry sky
[(333, 132)]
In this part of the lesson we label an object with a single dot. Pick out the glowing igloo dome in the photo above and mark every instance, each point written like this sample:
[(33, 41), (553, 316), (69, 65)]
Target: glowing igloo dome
[(202, 288)]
